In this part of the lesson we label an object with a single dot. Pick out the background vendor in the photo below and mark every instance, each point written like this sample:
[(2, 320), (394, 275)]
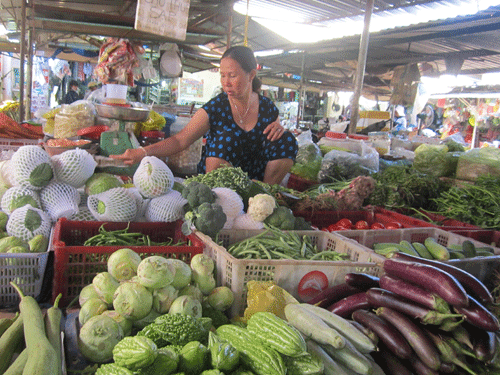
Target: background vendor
[(399, 119), (242, 127)]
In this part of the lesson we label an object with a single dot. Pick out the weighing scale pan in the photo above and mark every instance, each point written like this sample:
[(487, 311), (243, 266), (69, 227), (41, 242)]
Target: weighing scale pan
[(122, 113)]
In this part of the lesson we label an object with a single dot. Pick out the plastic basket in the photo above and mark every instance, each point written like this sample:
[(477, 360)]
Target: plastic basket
[(26, 270), (75, 265), (488, 237), (9, 146), (369, 237), (299, 183), (235, 273), (323, 219)]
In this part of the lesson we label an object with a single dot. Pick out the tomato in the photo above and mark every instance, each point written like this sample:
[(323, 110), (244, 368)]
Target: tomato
[(377, 226), (332, 227), (311, 284), (393, 225), (362, 224), (344, 223)]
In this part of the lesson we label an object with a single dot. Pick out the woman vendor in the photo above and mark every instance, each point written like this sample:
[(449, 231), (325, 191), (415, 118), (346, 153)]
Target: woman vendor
[(242, 128)]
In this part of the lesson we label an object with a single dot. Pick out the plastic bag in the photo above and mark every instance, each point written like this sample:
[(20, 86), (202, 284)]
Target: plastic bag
[(435, 160), (308, 159), (478, 162), (343, 165), (73, 117)]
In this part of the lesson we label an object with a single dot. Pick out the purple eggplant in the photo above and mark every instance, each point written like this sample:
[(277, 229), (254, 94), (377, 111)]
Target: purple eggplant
[(429, 278), (414, 293), (391, 364), (386, 333), (479, 316), (424, 348), (471, 284), (361, 281), (333, 294), (378, 297), (346, 306), (421, 368)]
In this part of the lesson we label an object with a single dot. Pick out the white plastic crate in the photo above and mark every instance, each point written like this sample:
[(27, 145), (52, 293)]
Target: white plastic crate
[(9, 146), (26, 270), (367, 238), (235, 273)]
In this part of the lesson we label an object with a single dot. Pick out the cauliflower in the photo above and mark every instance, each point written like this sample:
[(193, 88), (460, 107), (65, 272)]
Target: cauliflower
[(261, 206), (197, 193)]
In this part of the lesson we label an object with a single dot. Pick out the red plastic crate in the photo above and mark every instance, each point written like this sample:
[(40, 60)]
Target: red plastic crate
[(446, 223), (76, 265), (489, 237), (322, 219), (299, 183)]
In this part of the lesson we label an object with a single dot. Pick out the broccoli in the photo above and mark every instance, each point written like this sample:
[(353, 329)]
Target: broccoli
[(217, 316), (175, 329), (301, 224), (282, 218), (208, 218), (197, 193)]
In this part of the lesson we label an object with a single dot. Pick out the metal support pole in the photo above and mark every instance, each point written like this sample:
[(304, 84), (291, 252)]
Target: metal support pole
[(300, 110), (21, 60), (229, 24), (360, 69), (29, 73)]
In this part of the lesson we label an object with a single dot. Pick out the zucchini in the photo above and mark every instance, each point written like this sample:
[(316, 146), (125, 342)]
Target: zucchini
[(313, 327), (261, 359), (42, 358), (9, 342), (345, 327), (351, 358), (276, 333), (331, 367), (53, 319), (17, 367)]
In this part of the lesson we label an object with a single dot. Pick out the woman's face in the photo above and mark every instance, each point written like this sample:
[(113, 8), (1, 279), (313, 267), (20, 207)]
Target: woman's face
[(234, 80)]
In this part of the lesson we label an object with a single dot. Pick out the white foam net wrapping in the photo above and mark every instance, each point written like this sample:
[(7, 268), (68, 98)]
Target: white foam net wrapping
[(116, 204), (32, 167), (60, 200), (27, 222), (153, 177), (230, 201), (15, 196), (83, 214), (245, 221), (167, 208), (142, 203), (74, 167), (6, 173)]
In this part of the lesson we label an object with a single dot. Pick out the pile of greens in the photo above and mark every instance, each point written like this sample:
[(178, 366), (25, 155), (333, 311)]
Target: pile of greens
[(477, 204), (401, 186)]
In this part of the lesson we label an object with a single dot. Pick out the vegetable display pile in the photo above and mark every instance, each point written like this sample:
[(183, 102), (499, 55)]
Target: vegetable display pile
[(123, 237), (273, 243), (477, 204), (429, 317), (405, 187)]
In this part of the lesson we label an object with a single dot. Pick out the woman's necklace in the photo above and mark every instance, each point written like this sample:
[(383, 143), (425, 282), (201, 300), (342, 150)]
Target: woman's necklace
[(242, 118)]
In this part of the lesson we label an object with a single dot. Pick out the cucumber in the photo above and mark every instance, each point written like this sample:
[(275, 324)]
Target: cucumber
[(407, 248), (383, 245), (437, 250), (469, 249), (388, 251), (456, 254), (422, 250)]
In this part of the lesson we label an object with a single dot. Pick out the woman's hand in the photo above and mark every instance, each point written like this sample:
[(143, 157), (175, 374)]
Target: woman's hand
[(274, 130), (131, 156)]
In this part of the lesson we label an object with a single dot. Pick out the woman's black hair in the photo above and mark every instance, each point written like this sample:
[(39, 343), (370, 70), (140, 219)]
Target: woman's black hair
[(245, 57), (73, 83)]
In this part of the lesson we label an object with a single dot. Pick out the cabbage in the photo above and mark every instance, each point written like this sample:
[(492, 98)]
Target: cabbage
[(193, 291), (221, 298), (86, 293), (105, 286), (92, 307), (182, 274), (155, 272), (186, 305), (132, 300), (101, 182), (123, 263), (125, 323), (163, 298), (39, 243), (27, 222), (98, 336)]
